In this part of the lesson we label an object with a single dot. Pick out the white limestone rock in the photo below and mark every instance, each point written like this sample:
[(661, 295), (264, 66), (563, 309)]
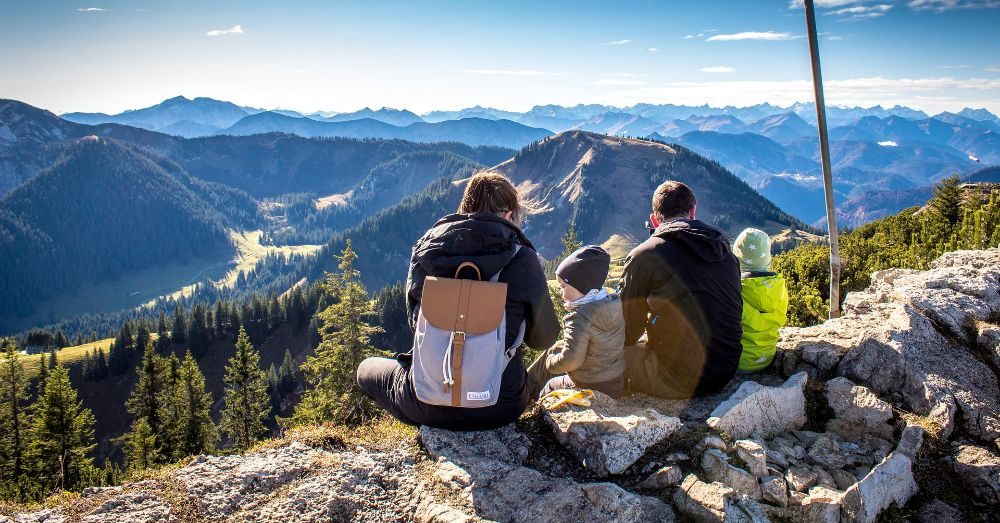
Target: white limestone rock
[(662, 478), (890, 482), (714, 502), (857, 409), (754, 455), (136, 507), (717, 469), (774, 489), (608, 437), (756, 410), (221, 484)]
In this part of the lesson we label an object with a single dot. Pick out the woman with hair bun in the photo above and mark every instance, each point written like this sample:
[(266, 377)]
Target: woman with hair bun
[(483, 231)]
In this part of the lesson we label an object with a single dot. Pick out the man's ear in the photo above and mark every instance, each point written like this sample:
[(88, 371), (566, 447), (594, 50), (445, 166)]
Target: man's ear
[(694, 209)]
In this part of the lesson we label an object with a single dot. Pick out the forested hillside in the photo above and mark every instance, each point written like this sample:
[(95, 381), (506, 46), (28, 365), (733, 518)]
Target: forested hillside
[(104, 209)]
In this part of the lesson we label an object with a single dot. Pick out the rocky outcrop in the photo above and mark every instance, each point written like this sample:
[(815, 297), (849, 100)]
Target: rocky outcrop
[(608, 437), (911, 336), (889, 412)]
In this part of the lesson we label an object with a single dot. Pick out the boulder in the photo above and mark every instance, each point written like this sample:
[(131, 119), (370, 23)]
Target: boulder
[(756, 410), (827, 453), (800, 479), (491, 483), (774, 489), (988, 340), (843, 479), (506, 444), (890, 482), (821, 505), (608, 437), (663, 478), (134, 507), (938, 511), (958, 290), (357, 486), (910, 441), (222, 484), (978, 470), (754, 455), (717, 469), (714, 502), (857, 410)]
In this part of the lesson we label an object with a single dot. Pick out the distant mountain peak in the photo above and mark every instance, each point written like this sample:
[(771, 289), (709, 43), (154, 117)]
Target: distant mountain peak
[(978, 114)]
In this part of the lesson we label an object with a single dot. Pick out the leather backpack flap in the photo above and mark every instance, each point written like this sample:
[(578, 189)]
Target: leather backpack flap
[(474, 307)]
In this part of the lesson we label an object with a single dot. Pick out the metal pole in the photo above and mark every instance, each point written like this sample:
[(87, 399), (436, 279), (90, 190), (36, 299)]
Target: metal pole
[(824, 150)]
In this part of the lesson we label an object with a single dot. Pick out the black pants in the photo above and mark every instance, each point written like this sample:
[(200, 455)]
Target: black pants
[(387, 382)]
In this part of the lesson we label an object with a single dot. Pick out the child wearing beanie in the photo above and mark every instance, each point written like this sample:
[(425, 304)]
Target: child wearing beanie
[(765, 300), (591, 354)]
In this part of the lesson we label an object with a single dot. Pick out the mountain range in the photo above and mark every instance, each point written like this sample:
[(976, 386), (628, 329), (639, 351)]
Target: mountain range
[(137, 190), (771, 148)]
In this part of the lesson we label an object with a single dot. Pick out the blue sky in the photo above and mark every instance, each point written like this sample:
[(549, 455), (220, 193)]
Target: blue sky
[(97, 55)]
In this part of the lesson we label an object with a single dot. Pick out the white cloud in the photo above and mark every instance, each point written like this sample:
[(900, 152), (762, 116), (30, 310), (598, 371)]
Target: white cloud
[(234, 30), (718, 69), (689, 37), (959, 66), (618, 42), (834, 38), (948, 5), (992, 69), (888, 143), (652, 49), (753, 35), (623, 75), (799, 4), (505, 72), (862, 9), (91, 9), (617, 81)]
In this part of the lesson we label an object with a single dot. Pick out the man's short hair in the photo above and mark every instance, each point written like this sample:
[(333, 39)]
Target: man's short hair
[(672, 199)]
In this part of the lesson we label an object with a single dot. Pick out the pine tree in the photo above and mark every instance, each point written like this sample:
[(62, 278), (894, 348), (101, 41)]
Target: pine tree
[(146, 401), (247, 406), (334, 394), (198, 336), (162, 334), (570, 241), (13, 421), (947, 200), (193, 429), (43, 373), (141, 447), (180, 325), (53, 359), (62, 435), (286, 374)]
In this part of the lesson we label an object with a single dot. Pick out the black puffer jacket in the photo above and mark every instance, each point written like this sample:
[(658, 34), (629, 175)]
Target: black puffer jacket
[(682, 287), (489, 242)]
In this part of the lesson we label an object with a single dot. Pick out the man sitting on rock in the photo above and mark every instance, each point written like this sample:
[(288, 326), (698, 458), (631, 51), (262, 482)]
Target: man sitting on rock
[(681, 287)]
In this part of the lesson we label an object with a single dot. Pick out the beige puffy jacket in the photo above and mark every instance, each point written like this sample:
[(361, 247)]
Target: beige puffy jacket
[(593, 346)]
